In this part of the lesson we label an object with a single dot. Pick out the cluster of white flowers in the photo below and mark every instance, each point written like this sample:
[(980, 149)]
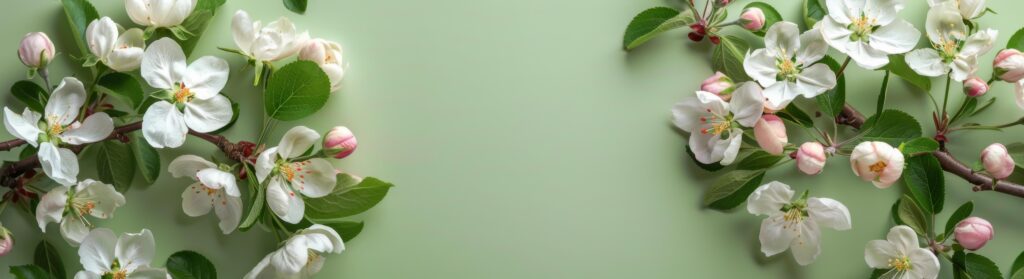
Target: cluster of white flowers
[(280, 39)]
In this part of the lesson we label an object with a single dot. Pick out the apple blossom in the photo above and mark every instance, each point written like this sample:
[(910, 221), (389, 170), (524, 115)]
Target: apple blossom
[(952, 51), (128, 256), (60, 126), (6, 241), (1009, 65), (327, 54), (810, 158), (302, 255), (968, 9), (718, 84), (214, 189), (159, 13), (786, 66), (121, 52), (69, 207), (275, 41), (191, 98), (36, 50), (752, 19), (795, 225), (340, 142), (972, 233), (901, 254), (287, 173), (997, 161), (770, 134), (877, 162), (714, 125), (975, 86), (868, 31)]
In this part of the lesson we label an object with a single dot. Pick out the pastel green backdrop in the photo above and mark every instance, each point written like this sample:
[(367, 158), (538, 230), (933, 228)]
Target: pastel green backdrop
[(524, 144)]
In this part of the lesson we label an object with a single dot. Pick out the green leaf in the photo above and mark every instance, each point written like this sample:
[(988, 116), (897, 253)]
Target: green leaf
[(652, 22), (297, 6), (1017, 40), (894, 128), (795, 115), (813, 12), (980, 267), (257, 203), (347, 229), (47, 258), (894, 212), (115, 164), (985, 106), (959, 215), (898, 66), (296, 90), (881, 94), (1016, 150), (732, 189), (832, 101), (351, 196), (919, 146), (912, 215), (771, 16), (923, 178), (147, 158), (29, 272), (195, 24), (190, 265), (713, 167), (1018, 265), (79, 14), (123, 85), (758, 160), (31, 94), (728, 57)]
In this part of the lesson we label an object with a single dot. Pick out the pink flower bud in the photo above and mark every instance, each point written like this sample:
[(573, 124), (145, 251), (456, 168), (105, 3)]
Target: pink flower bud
[(752, 19), (1009, 65), (36, 50), (997, 161), (810, 158), (723, 3), (770, 133), (340, 142), (972, 233), (975, 86), (6, 241), (719, 84)]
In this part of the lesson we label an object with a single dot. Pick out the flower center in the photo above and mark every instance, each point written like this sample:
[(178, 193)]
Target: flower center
[(862, 28), (295, 173), (900, 264), (878, 167), (84, 207), (788, 70), (183, 94), (715, 124), (313, 257), (947, 48), (116, 272)]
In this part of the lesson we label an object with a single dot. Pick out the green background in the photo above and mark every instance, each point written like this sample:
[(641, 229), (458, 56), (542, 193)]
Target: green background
[(524, 143)]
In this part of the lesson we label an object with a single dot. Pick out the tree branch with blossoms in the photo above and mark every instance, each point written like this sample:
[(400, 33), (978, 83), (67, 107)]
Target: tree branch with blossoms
[(737, 122), (146, 94)]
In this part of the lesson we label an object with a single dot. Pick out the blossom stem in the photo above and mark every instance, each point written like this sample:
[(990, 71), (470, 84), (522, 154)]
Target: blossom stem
[(842, 69), (45, 76), (945, 98)]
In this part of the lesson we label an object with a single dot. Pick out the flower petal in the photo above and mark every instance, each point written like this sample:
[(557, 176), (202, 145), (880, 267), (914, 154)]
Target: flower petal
[(262, 270), (730, 147), (815, 80), (775, 237), (296, 141), (23, 126), (243, 31), (196, 201), (163, 64), (761, 67), (164, 126), (707, 148), (895, 38), (867, 57), (82, 274), (95, 128), (51, 207), (229, 211), (65, 102), (687, 113), (138, 11), (963, 68), (829, 213), (316, 179), (148, 273), (903, 237), (883, 12), (1018, 92), (284, 202), (128, 56), (923, 263), (779, 95), (291, 258), (332, 235), (782, 40), (208, 115), (807, 245), (813, 47), (101, 36), (944, 22), (170, 12), (926, 62), (747, 104), (878, 253), (206, 76), (768, 199), (60, 164), (97, 251), (135, 249), (218, 179), (265, 163), (103, 196), (188, 166), (842, 11)]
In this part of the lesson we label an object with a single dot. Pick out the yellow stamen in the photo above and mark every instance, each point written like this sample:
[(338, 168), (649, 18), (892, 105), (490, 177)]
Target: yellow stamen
[(900, 264), (878, 167), (183, 94)]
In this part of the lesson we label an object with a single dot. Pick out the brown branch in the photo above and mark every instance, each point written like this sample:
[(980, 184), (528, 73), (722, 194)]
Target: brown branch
[(851, 117)]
